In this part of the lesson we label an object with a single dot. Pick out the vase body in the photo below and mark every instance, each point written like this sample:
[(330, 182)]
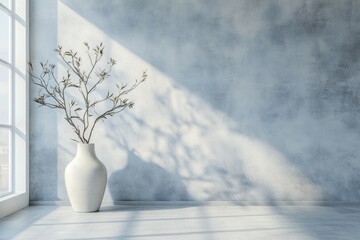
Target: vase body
[(85, 179)]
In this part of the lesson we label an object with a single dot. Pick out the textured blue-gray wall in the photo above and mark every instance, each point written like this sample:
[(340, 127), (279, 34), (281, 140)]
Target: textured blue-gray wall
[(246, 100)]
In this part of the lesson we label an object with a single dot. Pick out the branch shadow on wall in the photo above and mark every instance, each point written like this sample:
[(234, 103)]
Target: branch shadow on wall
[(216, 165), (145, 181), (273, 76), (141, 180)]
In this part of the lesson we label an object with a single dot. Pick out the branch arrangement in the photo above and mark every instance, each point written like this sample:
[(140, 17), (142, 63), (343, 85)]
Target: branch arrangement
[(82, 115)]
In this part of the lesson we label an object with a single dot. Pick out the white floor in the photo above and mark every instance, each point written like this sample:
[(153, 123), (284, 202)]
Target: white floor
[(206, 222)]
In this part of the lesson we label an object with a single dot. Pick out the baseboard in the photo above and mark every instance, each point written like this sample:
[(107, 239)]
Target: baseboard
[(205, 203)]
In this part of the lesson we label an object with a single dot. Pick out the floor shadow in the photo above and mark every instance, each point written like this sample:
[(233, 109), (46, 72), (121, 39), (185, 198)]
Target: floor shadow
[(323, 220), (141, 206), (142, 181), (18, 222)]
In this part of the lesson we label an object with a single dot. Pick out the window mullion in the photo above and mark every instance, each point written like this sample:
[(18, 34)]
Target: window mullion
[(5, 63), (5, 9)]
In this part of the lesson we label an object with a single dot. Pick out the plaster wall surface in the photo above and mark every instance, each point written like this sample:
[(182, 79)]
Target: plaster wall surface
[(245, 100)]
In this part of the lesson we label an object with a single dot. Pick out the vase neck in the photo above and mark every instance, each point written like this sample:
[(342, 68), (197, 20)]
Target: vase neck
[(85, 149)]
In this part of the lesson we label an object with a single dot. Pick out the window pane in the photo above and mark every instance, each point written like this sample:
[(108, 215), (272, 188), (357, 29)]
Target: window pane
[(20, 47), (4, 161), (6, 3), (4, 95), (20, 8), (5, 36), (20, 103)]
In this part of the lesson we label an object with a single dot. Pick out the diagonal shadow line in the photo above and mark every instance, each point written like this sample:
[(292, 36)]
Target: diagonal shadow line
[(207, 221), (129, 226)]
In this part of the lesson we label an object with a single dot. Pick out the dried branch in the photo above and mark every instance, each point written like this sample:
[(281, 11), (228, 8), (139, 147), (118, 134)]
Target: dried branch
[(82, 114)]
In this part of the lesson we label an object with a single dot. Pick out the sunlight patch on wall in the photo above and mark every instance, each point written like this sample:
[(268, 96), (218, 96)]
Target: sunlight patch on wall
[(174, 134)]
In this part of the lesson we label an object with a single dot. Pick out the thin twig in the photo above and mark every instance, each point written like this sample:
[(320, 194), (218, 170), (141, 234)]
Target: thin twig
[(57, 96)]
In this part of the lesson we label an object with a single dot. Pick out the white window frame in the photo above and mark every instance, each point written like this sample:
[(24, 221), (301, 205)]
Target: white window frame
[(19, 171)]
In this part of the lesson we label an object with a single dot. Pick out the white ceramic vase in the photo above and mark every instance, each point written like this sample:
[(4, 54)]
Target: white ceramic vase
[(85, 179)]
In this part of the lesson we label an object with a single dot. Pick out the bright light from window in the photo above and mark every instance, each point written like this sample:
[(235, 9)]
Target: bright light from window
[(4, 161), (4, 94), (6, 3), (5, 28), (13, 106)]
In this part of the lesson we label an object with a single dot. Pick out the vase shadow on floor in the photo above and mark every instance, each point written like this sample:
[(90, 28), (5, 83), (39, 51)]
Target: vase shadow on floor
[(145, 181)]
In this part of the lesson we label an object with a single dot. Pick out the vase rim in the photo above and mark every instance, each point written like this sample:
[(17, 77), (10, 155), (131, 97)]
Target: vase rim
[(79, 143)]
